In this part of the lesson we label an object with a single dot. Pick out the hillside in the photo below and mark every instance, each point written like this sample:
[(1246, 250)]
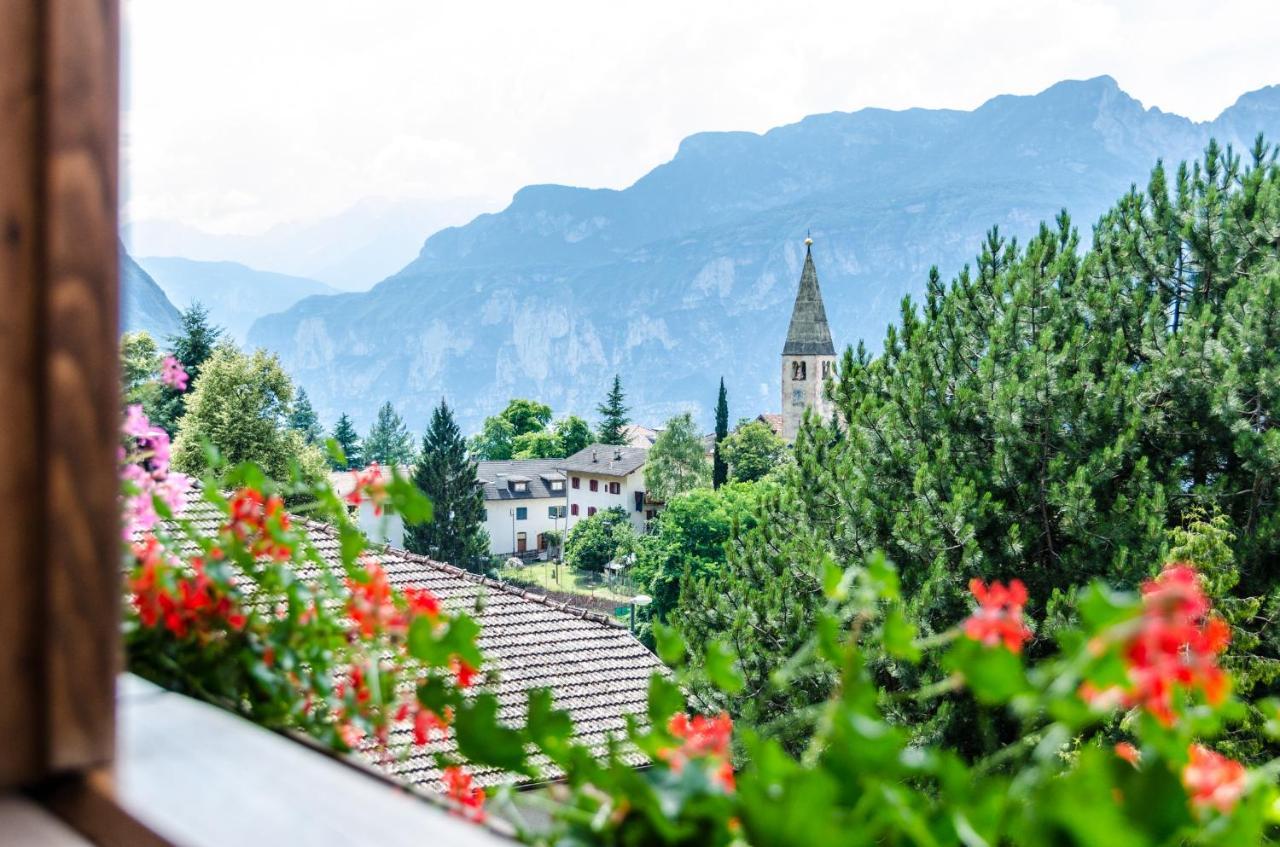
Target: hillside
[(236, 295), (689, 273), (143, 304)]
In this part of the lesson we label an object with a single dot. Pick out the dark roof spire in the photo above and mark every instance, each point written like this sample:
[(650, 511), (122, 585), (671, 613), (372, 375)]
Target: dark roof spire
[(809, 334)]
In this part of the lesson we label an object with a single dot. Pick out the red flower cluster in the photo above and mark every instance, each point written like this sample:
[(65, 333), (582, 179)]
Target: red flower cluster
[(998, 618), (426, 722), (195, 604), (1176, 644), (252, 517), (1213, 780), (368, 484), (463, 673), (703, 738), (1129, 753), (372, 602), (466, 797)]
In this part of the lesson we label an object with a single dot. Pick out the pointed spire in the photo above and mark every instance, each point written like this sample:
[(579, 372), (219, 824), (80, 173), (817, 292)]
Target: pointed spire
[(809, 334)]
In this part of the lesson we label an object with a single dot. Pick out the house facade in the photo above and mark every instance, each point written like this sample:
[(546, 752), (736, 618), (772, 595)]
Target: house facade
[(524, 499), (603, 476)]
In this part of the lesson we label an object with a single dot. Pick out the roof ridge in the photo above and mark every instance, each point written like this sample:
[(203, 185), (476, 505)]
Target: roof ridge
[(480, 579)]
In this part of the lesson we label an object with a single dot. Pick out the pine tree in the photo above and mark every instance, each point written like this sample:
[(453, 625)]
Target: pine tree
[(192, 346), (613, 415), (388, 442), (719, 469), (1037, 418), (448, 477), (344, 432), (303, 418)]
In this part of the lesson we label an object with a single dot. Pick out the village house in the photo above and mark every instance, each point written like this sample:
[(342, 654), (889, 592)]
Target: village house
[(524, 499), (604, 476)]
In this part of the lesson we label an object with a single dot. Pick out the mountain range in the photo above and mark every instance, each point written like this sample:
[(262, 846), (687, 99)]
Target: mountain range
[(234, 294), (689, 274), (143, 304)]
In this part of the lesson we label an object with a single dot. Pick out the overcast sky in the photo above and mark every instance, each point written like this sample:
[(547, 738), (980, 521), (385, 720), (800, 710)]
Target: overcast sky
[(240, 114)]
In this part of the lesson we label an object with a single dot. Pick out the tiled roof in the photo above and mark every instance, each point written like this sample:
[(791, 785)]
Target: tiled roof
[(774, 422), (596, 670), (606, 459), (537, 472)]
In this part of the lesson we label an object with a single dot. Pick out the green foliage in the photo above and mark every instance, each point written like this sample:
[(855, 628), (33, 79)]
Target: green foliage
[(613, 415), (719, 467), (238, 408), (140, 360), (448, 477), (1038, 417), (348, 442), (192, 346), (537, 445), (573, 433), (687, 541), (599, 539), (303, 419), (753, 451), (526, 416), (495, 441), (388, 442), (677, 462)]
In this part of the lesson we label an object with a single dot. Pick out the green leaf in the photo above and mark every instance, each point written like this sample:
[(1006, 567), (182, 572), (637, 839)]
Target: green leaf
[(900, 636), (665, 699), (993, 674), (721, 668), (671, 646), (548, 727), (485, 741)]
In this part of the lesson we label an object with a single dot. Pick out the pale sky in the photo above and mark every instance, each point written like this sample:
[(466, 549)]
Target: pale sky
[(241, 114)]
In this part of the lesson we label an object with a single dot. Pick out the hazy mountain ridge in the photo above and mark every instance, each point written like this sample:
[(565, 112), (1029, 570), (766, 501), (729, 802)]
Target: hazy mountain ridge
[(143, 304), (689, 273), (235, 294)]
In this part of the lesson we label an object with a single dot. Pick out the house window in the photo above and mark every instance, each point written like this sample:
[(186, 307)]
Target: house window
[(591, 510), (553, 511), (576, 482), (799, 371), (615, 488), (522, 513), (826, 369), (573, 510), (520, 487), (595, 485), (639, 501), (797, 396), (557, 485)]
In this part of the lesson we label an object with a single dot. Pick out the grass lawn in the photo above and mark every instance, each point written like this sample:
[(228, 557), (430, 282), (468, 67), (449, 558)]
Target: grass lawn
[(587, 583)]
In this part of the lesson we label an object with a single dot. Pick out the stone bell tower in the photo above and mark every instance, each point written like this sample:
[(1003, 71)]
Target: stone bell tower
[(809, 356)]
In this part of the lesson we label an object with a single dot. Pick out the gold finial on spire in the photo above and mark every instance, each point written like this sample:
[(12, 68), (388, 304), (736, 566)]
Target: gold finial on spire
[(808, 238)]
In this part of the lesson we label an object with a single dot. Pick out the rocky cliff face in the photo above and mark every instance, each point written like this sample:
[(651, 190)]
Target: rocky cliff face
[(689, 274)]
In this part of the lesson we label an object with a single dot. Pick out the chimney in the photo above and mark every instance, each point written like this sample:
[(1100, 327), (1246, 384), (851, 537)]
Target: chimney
[(595, 456), (617, 454)]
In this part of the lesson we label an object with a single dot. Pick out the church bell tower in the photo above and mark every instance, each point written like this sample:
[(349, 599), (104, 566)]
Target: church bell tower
[(809, 356)]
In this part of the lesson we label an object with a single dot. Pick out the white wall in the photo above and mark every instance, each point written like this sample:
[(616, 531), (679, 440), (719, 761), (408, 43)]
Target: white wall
[(498, 522), (380, 529), (602, 499)]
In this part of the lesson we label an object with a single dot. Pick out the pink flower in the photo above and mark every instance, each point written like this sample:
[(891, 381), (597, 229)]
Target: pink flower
[(173, 374)]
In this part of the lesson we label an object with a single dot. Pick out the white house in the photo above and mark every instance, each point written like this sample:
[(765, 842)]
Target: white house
[(603, 476), (523, 500), (380, 529)]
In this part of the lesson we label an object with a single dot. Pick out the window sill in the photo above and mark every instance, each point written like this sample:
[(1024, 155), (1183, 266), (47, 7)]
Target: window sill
[(198, 776)]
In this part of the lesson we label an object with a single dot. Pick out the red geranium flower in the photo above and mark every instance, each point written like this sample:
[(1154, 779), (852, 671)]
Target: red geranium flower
[(467, 798), (998, 618), (463, 672), (703, 738), (1129, 753)]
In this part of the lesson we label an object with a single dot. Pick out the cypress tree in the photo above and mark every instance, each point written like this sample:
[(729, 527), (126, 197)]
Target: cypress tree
[(613, 415), (445, 474), (191, 346), (303, 418), (719, 469), (344, 432)]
